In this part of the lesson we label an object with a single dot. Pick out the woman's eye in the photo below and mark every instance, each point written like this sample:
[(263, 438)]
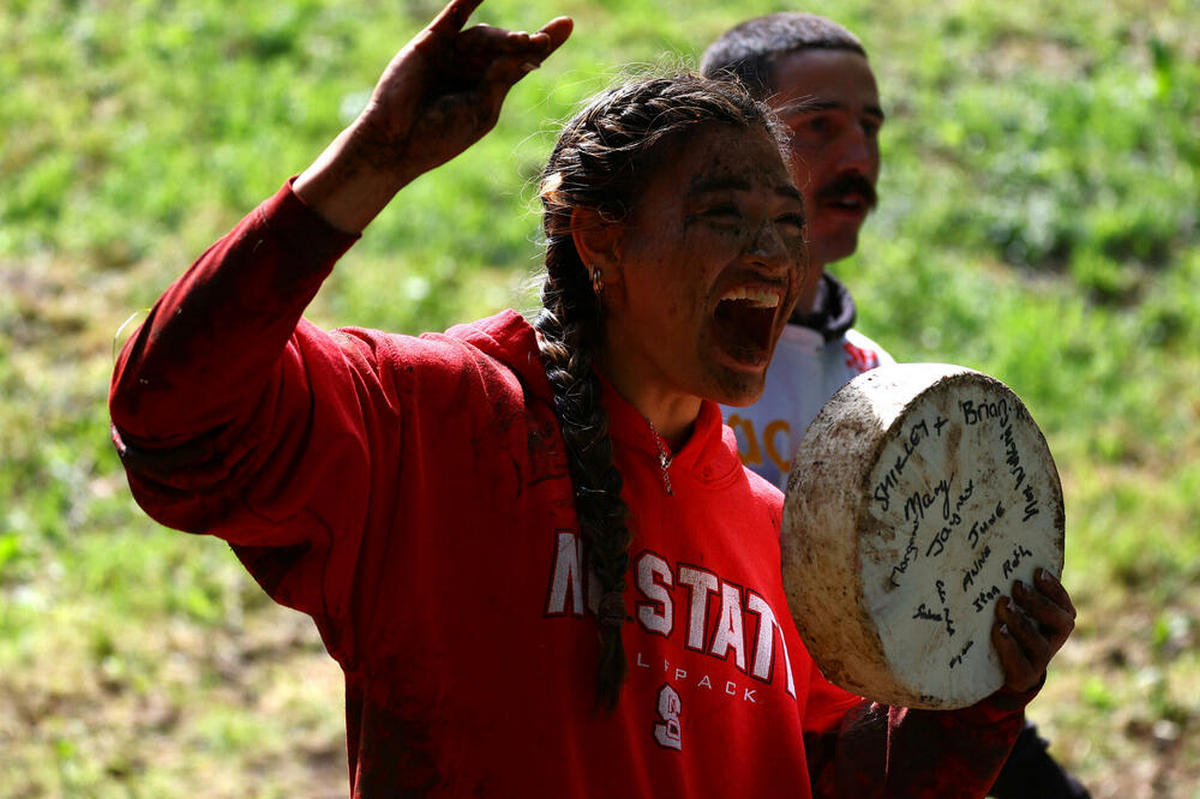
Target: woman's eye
[(795, 221), (721, 214), (720, 211)]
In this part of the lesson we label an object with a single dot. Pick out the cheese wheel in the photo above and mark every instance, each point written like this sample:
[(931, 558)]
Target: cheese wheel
[(918, 496)]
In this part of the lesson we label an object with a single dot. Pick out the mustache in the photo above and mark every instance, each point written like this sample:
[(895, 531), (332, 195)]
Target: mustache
[(849, 183)]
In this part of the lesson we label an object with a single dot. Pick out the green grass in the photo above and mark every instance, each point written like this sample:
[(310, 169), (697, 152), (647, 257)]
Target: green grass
[(1038, 221)]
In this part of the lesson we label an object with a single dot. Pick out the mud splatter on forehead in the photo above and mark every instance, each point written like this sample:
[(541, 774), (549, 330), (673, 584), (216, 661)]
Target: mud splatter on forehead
[(739, 168)]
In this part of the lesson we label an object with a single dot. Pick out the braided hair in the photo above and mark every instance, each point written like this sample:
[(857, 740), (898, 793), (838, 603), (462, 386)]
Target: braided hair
[(601, 161)]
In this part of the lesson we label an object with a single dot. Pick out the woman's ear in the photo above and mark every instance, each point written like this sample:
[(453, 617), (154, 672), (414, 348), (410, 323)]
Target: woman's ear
[(599, 243)]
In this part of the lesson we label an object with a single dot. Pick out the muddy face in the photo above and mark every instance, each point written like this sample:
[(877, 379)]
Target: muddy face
[(710, 263)]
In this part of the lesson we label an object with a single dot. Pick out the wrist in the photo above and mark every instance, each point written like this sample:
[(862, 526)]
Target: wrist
[(354, 179)]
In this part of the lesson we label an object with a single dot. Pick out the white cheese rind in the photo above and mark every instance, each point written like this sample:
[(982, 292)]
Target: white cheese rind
[(919, 494)]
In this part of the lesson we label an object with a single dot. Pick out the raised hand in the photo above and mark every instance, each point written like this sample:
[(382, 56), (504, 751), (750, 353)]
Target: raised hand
[(439, 95), (444, 90), (1030, 628)]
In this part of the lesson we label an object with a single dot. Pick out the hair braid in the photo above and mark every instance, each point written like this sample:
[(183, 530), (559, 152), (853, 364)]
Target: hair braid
[(601, 160), (570, 327)]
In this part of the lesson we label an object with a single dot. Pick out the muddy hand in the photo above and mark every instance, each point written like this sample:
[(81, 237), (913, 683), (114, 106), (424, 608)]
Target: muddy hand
[(1030, 628), (443, 91), (439, 95)]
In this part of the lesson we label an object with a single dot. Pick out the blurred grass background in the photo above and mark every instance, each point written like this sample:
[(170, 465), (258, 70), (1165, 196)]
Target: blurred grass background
[(1038, 221)]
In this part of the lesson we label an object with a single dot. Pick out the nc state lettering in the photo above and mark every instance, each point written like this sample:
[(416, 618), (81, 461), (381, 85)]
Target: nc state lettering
[(722, 620), (682, 677)]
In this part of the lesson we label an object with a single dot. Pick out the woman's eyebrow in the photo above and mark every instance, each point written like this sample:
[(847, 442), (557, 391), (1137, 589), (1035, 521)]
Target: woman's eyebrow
[(710, 185), (715, 185)]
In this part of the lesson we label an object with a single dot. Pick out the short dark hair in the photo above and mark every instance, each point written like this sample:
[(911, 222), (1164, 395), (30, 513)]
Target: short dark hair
[(747, 52)]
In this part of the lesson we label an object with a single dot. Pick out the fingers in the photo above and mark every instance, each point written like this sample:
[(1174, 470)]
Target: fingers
[(1018, 625), (1020, 673), (556, 31), (454, 16), (1031, 627), (544, 42), (526, 54), (1049, 605), (497, 42), (1053, 589)]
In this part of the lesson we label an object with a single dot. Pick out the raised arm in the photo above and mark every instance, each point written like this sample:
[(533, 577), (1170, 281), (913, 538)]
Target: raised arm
[(436, 98), (223, 370)]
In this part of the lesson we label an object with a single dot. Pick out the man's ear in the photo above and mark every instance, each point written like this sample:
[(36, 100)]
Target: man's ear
[(599, 243)]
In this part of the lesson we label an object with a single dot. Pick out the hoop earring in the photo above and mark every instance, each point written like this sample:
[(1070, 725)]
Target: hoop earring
[(597, 280)]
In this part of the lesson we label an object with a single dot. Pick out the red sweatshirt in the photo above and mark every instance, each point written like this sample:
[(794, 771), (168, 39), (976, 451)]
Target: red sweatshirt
[(412, 496)]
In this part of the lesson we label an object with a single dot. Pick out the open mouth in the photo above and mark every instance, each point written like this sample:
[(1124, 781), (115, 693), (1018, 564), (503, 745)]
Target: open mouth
[(745, 318)]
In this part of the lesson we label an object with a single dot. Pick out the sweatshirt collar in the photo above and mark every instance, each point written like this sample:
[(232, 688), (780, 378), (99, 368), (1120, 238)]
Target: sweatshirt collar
[(509, 338), (833, 311), (707, 455)]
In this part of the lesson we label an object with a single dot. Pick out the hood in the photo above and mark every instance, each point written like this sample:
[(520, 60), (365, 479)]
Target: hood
[(833, 312), (509, 338), (710, 454)]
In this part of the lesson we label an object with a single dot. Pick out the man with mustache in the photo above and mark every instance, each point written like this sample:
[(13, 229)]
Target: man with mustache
[(814, 74)]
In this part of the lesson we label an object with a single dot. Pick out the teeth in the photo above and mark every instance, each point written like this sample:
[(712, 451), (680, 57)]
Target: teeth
[(759, 297)]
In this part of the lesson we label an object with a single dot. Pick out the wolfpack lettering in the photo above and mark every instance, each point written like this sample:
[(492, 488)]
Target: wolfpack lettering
[(722, 617), (680, 676)]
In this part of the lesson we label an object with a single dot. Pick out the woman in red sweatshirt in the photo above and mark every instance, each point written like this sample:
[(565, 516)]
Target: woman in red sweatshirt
[(532, 547)]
